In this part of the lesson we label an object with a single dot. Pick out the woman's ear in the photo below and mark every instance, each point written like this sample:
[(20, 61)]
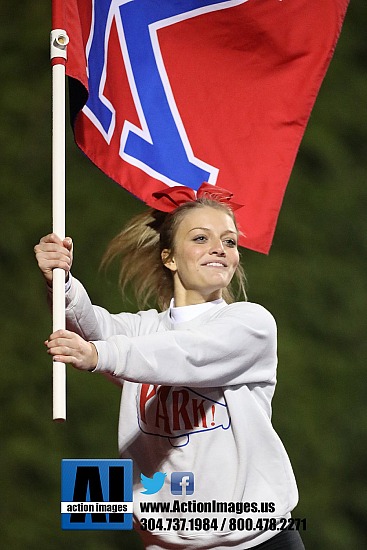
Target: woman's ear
[(168, 260)]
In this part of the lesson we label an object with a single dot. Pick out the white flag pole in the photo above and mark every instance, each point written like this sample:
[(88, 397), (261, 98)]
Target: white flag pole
[(59, 41)]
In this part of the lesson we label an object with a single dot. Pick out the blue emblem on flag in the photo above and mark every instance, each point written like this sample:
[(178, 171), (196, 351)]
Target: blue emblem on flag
[(160, 146)]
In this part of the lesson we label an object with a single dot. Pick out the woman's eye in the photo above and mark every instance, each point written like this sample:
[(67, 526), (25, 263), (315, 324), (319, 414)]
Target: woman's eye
[(230, 242), (200, 238)]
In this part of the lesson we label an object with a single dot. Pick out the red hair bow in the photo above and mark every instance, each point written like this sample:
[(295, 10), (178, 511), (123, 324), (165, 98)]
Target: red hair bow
[(170, 198)]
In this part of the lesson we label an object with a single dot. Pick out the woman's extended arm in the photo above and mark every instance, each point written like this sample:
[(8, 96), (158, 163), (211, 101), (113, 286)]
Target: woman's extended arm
[(236, 347)]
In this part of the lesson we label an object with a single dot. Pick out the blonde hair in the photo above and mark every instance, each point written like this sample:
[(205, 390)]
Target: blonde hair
[(139, 246)]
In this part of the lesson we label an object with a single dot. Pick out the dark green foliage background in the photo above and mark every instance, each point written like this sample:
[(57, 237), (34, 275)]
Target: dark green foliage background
[(314, 282)]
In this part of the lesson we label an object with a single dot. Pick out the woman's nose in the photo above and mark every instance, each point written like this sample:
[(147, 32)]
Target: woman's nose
[(218, 249)]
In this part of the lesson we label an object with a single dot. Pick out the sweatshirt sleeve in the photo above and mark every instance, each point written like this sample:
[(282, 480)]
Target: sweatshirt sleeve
[(94, 322), (238, 346)]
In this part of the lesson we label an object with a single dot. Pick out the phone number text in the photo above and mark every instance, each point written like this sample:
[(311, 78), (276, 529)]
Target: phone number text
[(231, 524)]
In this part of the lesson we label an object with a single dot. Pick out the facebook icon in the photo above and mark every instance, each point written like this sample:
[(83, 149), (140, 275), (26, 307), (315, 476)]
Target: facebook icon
[(182, 483)]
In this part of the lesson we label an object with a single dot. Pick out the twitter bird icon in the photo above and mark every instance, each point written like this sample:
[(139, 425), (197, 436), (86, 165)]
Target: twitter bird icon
[(152, 484)]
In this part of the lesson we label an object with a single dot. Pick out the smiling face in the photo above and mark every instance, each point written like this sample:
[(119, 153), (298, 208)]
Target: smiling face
[(205, 255)]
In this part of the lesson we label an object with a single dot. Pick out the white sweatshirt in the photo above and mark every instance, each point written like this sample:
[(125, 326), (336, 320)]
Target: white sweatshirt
[(196, 399)]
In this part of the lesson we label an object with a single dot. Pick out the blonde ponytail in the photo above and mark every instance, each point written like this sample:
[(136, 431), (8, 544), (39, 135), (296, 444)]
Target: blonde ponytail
[(137, 246)]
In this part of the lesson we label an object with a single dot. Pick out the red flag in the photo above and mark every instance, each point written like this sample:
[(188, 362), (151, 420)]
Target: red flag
[(203, 90)]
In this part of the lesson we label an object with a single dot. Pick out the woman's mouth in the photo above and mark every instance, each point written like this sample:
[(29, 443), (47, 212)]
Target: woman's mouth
[(215, 264)]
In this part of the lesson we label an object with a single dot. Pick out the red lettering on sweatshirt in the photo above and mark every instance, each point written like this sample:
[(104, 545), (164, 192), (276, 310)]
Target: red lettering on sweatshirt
[(179, 409), (199, 408), (161, 411), (145, 396), (168, 411)]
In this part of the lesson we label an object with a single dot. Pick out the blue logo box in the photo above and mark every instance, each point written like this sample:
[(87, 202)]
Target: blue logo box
[(97, 494)]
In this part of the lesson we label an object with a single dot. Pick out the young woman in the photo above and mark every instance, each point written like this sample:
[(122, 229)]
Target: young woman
[(197, 382)]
